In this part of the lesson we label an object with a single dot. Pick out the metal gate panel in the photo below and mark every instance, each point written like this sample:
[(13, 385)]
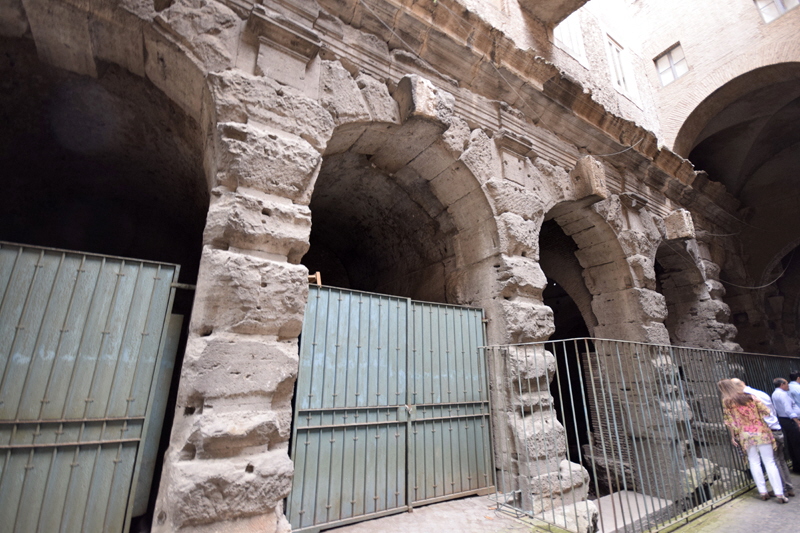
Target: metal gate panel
[(391, 407), (80, 337), (450, 443), (349, 432)]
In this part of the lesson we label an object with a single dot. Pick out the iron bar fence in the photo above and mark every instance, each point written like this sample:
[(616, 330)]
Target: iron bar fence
[(614, 436)]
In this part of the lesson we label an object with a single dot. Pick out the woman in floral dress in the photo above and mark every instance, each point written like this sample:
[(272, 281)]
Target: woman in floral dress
[(744, 416)]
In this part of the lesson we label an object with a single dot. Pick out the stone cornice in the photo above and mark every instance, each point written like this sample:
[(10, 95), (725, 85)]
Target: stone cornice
[(485, 62)]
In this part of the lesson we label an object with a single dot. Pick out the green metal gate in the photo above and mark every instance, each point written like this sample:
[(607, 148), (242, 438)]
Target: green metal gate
[(392, 408), (80, 339)]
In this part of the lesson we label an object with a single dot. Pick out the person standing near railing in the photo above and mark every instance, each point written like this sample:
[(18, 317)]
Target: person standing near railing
[(772, 423), (789, 419), (744, 417), (794, 387)]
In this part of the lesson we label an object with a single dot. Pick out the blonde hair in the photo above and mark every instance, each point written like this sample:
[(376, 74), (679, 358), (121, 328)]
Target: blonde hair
[(732, 393)]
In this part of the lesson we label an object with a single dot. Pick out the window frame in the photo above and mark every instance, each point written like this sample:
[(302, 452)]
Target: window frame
[(668, 54), (780, 7)]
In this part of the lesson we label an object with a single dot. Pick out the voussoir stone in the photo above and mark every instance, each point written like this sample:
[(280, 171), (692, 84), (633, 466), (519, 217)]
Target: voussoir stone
[(340, 95), (207, 28), (246, 294)]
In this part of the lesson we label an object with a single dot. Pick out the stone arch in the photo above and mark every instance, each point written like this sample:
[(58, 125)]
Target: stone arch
[(396, 208), (724, 86)]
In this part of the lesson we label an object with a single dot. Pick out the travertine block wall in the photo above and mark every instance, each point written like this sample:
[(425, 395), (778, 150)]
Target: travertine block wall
[(279, 87)]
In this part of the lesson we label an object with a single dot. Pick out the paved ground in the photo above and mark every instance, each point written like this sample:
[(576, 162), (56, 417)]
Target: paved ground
[(468, 515), (746, 514)]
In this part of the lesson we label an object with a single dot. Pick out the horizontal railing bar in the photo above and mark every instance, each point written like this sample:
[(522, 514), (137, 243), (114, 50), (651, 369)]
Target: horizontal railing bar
[(454, 417), (353, 425), (65, 444), (328, 409), (72, 420), (476, 402)]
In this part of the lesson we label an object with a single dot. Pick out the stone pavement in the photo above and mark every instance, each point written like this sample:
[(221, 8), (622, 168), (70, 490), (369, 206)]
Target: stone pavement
[(745, 514), (468, 515)]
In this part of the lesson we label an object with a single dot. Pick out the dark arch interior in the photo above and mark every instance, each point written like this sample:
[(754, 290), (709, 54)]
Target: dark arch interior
[(752, 146), (378, 232), (565, 279), (106, 165)]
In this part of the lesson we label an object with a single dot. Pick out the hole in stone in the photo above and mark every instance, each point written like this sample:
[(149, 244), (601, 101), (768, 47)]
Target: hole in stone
[(258, 307), (188, 452), (188, 411), (266, 211), (162, 517), (249, 469), (205, 332), (263, 283)]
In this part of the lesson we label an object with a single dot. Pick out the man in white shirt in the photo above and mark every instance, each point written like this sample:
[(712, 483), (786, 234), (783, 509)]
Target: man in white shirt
[(772, 421), (794, 386), (789, 419)]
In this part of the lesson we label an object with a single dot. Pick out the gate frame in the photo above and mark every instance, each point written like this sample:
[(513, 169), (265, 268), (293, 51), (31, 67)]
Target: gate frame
[(406, 418), (153, 388)]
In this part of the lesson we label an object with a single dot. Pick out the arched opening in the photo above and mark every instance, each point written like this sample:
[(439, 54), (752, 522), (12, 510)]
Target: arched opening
[(398, 220), (368, 232), (566, 294), (683, 287), (107, 165), (745, 136)]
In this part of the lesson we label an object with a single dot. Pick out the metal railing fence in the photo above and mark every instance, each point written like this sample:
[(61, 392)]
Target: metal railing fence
[(604, 435)]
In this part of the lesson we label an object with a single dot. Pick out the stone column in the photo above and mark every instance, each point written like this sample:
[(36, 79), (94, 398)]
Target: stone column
[(228, 458)]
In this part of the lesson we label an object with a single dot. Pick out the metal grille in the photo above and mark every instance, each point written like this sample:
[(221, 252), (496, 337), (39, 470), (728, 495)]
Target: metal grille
[(80, 337), (391, 407), (639, 442)]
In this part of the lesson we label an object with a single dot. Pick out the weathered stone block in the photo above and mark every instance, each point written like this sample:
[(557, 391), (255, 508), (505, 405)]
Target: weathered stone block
[(480, 156), (179, 74), (530, 368), (632, 305), (207, 491), (539, 436), (237, 366), (274, 163), (679, 225), (521, 276), (382, 107), (518, 236), (608, 277), (340, 95), (258, 100), (246, 294), (528, 321), (589, 179), (407, 142), (418, 97), (509, 197), (228, 434), (208, 29), (259, 223), (70, 48)]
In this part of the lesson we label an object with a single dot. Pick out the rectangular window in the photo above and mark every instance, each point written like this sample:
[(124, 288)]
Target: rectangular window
[(772, 9), (616, 62), (671, 65), (567, 36)]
